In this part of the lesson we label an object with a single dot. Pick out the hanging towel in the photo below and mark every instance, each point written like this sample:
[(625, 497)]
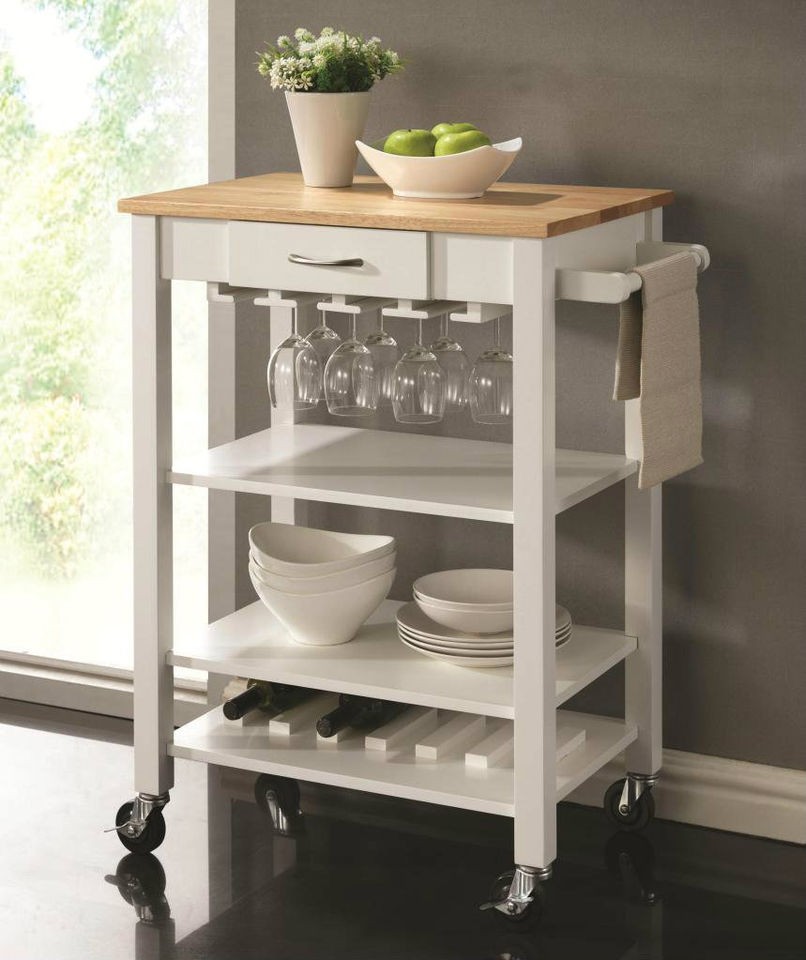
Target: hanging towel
[(658, 360)]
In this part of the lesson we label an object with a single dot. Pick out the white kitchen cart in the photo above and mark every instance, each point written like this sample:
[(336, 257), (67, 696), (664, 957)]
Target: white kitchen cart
[(516, 250)]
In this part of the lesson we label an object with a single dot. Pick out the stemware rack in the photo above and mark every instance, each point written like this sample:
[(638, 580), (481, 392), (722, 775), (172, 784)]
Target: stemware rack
[(520, 250)]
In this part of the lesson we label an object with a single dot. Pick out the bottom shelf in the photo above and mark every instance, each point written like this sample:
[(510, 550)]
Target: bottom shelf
[(397, 772)]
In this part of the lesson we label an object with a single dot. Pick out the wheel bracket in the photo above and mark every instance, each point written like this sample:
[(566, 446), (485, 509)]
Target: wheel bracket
[(635, 785), (143, 805), (521, 893)]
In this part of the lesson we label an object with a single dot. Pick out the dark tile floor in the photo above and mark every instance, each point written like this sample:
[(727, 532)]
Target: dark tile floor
[(370, 878)]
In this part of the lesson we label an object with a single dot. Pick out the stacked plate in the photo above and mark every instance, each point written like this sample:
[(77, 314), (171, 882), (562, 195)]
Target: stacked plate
[(465, 617)]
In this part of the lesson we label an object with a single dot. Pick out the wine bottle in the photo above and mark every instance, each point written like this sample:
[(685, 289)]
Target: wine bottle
[(358, 712), (270, 698)]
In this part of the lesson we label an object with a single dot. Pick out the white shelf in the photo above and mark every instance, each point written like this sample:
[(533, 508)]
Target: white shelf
[(252, 643), (392, 471), (213, 739)]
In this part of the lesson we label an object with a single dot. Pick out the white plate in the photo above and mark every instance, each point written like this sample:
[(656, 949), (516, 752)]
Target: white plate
[(459, 651), (412, 618), (461, 661), (506, 646)]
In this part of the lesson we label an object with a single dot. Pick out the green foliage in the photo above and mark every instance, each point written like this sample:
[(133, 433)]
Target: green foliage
[(333, 62), (64, 331)]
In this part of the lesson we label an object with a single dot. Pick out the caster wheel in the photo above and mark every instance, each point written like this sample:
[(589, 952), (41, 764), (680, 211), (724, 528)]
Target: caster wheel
[(530, 915), (278, 798), (151, 837), (640, 815)]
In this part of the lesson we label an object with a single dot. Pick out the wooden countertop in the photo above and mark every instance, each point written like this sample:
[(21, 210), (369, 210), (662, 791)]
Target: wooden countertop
[(507, 209)]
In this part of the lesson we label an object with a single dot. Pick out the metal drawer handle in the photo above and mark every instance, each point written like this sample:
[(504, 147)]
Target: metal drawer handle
[(310, 261)]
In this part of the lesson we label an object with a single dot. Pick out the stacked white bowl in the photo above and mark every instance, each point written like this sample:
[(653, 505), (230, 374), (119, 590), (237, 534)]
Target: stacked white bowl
[(320, 585), (475, 601)]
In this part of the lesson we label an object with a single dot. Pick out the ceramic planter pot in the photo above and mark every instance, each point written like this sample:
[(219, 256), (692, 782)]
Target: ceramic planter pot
[(326, 126)]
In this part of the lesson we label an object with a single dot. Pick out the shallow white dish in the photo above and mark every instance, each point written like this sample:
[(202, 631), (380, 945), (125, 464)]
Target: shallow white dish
[(461, 661), (291, 551), (468, 620), (458, 176), (470, 643), (467, 589), (414, 620), (332, 581), (325, 619)]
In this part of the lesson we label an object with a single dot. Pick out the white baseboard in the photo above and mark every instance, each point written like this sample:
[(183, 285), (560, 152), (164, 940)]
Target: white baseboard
[(748, 798)]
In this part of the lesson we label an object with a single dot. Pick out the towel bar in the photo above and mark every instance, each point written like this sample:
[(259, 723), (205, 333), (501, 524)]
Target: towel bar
[(603, 286)]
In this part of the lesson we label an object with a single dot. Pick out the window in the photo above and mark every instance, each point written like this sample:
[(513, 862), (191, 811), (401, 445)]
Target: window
[(99, 99)]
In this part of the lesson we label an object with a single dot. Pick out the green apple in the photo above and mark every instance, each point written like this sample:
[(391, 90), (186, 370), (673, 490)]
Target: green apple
[(411, 143), (452, 127), (460, 142)]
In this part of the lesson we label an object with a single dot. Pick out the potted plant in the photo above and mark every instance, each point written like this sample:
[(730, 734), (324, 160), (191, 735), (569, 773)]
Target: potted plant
[(327, 82)]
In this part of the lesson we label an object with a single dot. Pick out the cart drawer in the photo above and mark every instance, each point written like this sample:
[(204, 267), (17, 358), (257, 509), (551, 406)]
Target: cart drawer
[(394, 263)]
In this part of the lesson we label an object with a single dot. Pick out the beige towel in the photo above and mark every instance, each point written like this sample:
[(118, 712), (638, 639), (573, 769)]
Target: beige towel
[(659, 361)]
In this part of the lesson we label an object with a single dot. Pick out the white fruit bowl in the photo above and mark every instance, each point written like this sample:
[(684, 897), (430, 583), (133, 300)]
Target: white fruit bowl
[(457, 176), (325, 619)]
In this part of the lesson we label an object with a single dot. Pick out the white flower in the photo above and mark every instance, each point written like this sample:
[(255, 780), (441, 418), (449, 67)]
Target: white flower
[(327, 31), (283, 41), (306, 46), (301, 33), (319, 61), (304, 63)]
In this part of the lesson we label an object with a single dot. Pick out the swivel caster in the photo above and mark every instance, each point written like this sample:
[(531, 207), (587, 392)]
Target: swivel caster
[(140, 825), (629, 803), (518, 896), (278, 798)]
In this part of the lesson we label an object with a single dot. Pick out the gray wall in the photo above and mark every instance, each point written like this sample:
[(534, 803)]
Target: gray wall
[(703, 98)]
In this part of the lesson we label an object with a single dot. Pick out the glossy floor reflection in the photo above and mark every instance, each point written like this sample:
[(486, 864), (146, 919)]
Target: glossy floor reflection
[(369, 878)]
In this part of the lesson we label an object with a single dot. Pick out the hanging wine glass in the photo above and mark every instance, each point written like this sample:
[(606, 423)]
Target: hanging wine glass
[(294, 373), (418, 385), (351, 383), (490, 384), (323, 339), (385, 354), (453, 360)]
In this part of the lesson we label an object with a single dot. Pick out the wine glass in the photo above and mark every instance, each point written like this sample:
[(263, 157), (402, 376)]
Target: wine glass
[(418, 385), (385, 354), (454, 362), (490, 384), (323, 339), (294, 373), (351, 383)]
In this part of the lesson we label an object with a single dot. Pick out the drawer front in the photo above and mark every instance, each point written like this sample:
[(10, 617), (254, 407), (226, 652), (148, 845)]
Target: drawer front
[(395, 263)]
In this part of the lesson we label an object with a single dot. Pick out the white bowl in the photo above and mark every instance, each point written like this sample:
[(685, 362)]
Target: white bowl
[(471, 621), (335, 581), (291, 551), (457, 176), (469, 590), (325, 619)]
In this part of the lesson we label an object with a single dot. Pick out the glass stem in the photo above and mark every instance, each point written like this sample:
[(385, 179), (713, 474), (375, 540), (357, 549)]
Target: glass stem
[(353, 327), (444, 326), (497, 333), (294, 321), (419, 333)]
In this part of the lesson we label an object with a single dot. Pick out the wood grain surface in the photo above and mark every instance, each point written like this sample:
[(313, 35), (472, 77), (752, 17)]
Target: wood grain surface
[(507, 209)]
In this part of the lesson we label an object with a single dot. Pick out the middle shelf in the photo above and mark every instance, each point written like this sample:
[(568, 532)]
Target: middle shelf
[(444, 476), (252, 643)]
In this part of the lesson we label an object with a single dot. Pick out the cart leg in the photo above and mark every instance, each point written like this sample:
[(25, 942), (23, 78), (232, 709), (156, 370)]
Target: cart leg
[(534, 556), (643, 594), (153, 543)]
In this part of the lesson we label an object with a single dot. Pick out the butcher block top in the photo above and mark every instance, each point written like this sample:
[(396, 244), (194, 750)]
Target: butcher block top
[(507, 209)]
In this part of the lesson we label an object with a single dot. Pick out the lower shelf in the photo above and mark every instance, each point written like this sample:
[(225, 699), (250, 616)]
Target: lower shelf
[(449, 781)]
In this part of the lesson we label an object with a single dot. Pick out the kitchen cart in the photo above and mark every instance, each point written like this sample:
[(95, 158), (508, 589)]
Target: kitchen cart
[(516, 250)]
